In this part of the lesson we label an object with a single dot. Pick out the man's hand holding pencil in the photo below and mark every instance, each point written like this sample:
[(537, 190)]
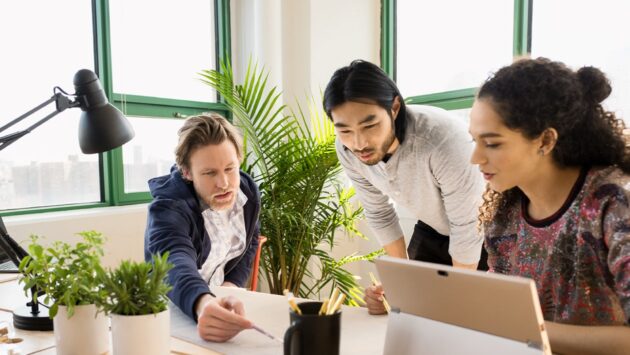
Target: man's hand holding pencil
[(220, 319), (375, 298)]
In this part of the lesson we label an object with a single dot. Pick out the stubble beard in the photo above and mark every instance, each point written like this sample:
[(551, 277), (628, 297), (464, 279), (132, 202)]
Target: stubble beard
[(221, 205), (382, 151)]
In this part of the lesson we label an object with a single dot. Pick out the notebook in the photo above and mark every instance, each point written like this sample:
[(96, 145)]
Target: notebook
[(437, 309)]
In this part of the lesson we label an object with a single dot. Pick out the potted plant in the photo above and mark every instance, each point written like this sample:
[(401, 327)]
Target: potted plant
[(134, 294), (304, 204), (67, 275)]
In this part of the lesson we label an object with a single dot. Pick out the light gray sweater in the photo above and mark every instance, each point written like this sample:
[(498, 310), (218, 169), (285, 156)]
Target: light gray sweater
[(429, 174)]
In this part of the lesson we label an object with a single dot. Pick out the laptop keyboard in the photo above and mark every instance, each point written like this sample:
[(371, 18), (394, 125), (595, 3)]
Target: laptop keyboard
[(8, 266)]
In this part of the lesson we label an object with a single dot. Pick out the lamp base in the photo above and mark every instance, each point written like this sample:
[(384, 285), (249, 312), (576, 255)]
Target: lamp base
[(23, 318)]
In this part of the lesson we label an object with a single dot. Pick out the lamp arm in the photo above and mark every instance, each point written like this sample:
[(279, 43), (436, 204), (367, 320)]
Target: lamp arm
[(40, 106), (61, 103)]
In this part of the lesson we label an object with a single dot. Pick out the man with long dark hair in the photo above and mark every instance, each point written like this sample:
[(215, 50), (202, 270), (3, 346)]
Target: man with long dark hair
[(416, 156)]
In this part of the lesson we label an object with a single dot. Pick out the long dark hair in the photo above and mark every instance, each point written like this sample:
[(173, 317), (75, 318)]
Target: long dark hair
[(365, 82), (532, 95)]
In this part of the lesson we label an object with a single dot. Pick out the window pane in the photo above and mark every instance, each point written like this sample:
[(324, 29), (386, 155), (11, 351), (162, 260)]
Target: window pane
[(451, 44), (151, 152), (45, 167), (159, 46), (591, 35)]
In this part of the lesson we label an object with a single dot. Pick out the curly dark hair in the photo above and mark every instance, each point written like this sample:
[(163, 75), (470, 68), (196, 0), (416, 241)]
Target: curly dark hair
[(532, 95)]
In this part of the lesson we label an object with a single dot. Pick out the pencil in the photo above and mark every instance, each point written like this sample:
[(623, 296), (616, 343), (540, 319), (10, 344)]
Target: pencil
[(323, 308), (265, 333), (332, 300), (385, 303), (292, 303), (338, 303)]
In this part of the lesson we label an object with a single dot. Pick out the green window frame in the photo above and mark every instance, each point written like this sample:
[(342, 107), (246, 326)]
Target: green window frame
[(111, 168), (454, 99)]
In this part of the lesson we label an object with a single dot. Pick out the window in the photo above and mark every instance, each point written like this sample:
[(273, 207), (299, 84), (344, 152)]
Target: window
[(45, 167), (450, 44), (440, 51), (146, 157), (147, 55), (589, 35), (158, 49), (446, 48), (159, 46)]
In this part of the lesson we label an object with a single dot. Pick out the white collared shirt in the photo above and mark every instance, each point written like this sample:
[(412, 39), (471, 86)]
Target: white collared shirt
[(226, 230)]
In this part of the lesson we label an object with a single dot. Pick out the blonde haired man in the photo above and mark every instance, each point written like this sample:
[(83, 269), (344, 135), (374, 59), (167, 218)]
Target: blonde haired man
[(205, 214)]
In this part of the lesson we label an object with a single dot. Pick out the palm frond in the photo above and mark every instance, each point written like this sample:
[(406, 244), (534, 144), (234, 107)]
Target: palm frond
[(291, 156)]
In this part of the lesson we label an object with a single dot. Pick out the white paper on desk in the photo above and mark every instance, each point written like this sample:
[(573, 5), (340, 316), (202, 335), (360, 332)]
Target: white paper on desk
[(246, 342), (361, 333)]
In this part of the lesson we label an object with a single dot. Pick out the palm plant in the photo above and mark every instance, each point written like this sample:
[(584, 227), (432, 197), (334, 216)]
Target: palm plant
[(303, 202)]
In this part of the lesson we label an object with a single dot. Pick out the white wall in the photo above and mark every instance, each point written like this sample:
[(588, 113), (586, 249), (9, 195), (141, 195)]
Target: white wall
[(302, 42), (342, 31), (122, 226), (257, 33)]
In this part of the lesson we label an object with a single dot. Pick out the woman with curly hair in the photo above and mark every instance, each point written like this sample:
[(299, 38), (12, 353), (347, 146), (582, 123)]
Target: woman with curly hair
[(557, 207)]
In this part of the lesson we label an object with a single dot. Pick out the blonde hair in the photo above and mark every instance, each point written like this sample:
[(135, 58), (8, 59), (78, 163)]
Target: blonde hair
[(202, 130)]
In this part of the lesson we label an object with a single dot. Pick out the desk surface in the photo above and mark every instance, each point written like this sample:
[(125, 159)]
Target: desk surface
[(361, 333)]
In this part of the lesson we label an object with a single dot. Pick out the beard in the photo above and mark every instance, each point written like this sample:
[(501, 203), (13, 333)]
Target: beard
[(379, 152), (223, 204)]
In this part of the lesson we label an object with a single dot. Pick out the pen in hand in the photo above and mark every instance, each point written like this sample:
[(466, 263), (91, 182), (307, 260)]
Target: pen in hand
[(385, 303), (265, 333)]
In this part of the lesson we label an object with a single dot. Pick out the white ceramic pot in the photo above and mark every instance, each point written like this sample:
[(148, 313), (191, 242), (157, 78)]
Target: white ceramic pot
[(84, 333), (147, 334)]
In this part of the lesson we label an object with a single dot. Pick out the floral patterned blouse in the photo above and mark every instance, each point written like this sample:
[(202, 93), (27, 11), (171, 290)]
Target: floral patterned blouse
[(579, 257)]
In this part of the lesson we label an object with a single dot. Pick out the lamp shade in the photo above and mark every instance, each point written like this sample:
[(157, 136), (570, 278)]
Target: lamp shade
[(102, 126)]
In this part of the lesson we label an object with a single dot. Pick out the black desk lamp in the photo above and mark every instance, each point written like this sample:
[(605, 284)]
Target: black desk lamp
[(101, 127)]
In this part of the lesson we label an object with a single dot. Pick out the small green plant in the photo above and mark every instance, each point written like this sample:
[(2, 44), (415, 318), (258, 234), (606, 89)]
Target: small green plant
[(135, 288), (66, 274)]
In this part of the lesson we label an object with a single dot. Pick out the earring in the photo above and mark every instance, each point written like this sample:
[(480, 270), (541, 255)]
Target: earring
[(541, 152)]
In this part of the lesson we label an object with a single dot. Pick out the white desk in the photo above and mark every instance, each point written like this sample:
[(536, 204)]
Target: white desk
[(360, 332)]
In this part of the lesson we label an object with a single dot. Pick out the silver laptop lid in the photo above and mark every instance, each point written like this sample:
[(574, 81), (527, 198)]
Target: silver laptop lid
[(501, 305)]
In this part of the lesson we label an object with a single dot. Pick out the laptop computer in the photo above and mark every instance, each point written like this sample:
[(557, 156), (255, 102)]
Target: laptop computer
[(10, 252), (437, 309), (7, 265)]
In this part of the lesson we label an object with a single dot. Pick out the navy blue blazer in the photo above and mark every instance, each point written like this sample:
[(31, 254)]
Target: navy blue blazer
[(175, 224)]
